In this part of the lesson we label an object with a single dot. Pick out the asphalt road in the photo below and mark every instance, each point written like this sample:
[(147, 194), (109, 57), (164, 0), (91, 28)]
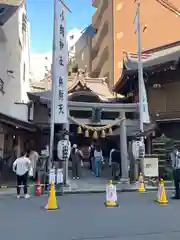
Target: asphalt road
[(84, 217)]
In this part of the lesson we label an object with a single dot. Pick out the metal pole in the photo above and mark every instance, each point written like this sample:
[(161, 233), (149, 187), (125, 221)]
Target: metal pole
[(140, 72), (140, 79), (123, 147), (51, 155)]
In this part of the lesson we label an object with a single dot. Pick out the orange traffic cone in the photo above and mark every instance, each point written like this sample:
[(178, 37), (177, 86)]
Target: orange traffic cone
[(161, 194), (38, 189), (52, 201)]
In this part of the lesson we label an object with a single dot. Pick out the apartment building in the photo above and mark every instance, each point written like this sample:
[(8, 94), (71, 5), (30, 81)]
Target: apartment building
[(72, 38), (14, 72), (83, 54), (102, 42), (116, 31)]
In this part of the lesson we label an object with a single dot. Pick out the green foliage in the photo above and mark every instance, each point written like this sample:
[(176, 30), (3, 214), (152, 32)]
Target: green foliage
[(72, 67), (162, 147)]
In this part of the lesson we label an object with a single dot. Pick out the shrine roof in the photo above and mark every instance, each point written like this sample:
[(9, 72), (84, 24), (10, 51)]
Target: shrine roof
[(97, 86), (152, 59)]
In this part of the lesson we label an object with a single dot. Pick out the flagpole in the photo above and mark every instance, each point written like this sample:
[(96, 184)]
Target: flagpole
[(51, 155), (140, 72)]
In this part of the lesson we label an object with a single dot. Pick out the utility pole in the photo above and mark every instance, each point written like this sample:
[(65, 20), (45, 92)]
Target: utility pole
[(140, 71)]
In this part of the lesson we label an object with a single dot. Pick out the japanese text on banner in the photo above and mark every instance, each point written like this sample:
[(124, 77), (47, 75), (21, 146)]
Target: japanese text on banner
[(61, 63)]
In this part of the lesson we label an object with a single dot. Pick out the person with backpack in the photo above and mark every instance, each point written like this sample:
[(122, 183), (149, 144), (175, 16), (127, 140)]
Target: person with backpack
[(175, 158), (98, 160)]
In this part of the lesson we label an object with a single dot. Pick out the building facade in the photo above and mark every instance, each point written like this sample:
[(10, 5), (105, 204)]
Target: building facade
[(15, 59), (83, 55), (161, 71), (14, 77), (72, 38), (116, 31), (102, 42)]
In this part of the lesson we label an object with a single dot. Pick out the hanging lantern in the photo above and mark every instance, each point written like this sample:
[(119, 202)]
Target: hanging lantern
[(95, 135), (79, 131), (110, 131), (103, 134), (87, 133)]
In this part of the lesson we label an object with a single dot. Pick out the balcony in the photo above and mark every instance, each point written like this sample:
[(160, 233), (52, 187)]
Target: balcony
[(2, 35), (96, 19), (101, 59), (95, 3), (104, 69), (100, 36)]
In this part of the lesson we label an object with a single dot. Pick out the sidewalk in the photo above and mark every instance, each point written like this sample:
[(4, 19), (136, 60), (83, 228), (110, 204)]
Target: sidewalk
[(90, 184)]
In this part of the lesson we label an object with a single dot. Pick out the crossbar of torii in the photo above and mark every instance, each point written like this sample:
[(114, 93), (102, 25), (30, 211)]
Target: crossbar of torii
[(122, 108)]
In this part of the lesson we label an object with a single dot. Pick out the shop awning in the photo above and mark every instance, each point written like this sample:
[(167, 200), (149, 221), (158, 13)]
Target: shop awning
[(17, 123)]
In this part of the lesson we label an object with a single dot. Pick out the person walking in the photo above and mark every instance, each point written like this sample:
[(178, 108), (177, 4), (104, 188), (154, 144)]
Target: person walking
[(110, 156), (21, 167), (91, 157), (76, 157), (98, 160), (116, 164), (175, 158), (34, 156)]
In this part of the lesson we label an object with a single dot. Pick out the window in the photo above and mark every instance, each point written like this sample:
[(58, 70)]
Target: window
[(119, 6), (24, 72), (24, 22), (82, 56), (71, 48), (71, 37), (2, 10)]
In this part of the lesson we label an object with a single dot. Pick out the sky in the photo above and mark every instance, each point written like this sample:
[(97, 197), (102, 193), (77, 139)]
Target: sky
[(40, 16)]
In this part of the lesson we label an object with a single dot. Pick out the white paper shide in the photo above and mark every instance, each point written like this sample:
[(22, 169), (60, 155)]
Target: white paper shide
[(61, 65)]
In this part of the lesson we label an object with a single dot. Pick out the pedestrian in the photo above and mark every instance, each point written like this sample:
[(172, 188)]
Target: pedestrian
[(21, 167), (98, 160), (175, 158), (76, 157), (110, 156), (116, 164), (91, 157), (34, 157)]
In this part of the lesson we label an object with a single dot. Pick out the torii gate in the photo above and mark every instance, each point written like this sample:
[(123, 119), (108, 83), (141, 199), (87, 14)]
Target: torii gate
[(122, 108)]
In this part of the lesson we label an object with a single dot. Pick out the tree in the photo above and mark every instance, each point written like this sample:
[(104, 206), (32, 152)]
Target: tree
[(72, 66)]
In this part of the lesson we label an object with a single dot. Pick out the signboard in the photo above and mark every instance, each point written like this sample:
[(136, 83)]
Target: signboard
[(150, 167), (60, 66), (52, 176), (59, 176), (111, 194)]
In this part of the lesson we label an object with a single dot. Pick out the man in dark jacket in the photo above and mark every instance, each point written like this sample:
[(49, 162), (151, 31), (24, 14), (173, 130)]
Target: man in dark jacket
[(175, 158), (116, 164)]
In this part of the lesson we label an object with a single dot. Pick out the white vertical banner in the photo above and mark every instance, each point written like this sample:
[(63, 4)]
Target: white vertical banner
[(145, 110), (61, 65)]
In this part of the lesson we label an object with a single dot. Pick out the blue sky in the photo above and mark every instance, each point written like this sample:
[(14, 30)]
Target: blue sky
[(40, 15)]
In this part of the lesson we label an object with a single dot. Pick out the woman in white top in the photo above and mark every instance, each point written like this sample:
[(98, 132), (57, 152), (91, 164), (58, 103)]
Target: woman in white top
[(98, 160)]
